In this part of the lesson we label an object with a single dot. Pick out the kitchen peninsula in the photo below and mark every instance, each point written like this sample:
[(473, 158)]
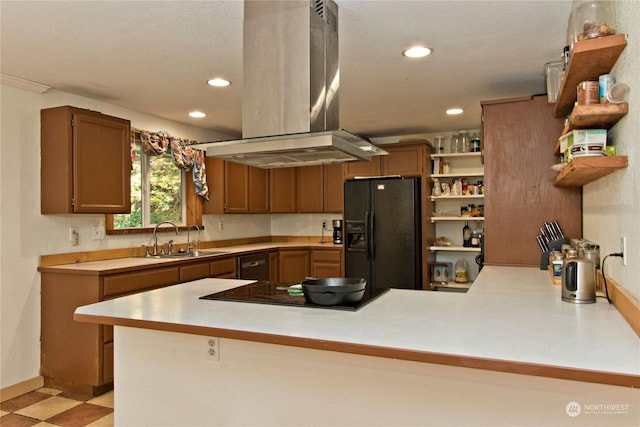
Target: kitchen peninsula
[(508, 352)]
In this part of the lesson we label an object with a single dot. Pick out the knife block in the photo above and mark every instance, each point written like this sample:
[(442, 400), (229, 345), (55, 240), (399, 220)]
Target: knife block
[(555, 245)]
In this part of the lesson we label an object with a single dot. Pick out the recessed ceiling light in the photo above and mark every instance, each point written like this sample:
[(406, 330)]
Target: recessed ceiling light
[(197, 114), (218, 82), (454, 111), (416, 52)]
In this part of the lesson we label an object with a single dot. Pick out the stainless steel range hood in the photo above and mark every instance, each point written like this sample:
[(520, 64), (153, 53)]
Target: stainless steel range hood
[(291, 81)]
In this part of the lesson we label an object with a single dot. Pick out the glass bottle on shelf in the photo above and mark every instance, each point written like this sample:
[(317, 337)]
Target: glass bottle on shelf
[(466, 235), (475, 142)]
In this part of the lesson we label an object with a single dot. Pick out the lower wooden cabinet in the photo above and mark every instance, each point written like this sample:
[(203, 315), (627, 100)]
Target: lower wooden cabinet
[(77, 356), (326, 263), (293, 265)]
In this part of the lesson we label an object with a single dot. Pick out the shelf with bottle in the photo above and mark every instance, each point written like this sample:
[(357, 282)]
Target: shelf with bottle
[(456, 155), (464, 196), (454, 249)]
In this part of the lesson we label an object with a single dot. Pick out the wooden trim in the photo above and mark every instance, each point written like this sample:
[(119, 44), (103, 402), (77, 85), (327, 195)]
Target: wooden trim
[(627, 305), (21, 388), (601, 377), (504, 100)]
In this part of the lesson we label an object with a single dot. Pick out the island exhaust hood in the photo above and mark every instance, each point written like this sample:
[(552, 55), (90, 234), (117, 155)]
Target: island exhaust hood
[(291, 80)]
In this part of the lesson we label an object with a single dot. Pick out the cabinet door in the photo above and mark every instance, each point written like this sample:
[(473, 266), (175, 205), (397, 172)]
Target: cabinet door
[(258, 190), (236, 187), (403, 160), (194, 271), (293, 265), (333, 188), (283, 190), (309, 188), (215, 182), (85, 162), (371, 168), (223, 268), (326, 263), (519, 194)]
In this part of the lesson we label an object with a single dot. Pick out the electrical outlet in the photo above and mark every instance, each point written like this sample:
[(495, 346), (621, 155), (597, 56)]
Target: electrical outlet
[(624, 250), (213, 349), (74, 235), (220, 225), (98, 232), (324, 224)]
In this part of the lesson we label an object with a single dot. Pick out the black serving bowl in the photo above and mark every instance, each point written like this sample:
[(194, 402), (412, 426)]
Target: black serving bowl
[(334, 291), (334, 284)]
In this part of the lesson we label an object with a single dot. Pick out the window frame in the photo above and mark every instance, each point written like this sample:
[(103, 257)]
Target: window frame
[(192, 210)]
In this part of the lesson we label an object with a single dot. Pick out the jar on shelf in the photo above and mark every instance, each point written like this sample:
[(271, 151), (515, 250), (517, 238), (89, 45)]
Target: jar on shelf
[(456, 146), (465, 141), (591, 19), (475, 142), (461, 271), (438, 144)]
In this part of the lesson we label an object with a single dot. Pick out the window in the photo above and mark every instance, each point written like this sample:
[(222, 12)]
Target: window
[(160, 191)]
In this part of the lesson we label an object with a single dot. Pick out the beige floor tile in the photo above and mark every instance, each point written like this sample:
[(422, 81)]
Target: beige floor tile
[(103, 422), (48, 408), (105, 399), (45, 424), (51, 391), (4, 413)]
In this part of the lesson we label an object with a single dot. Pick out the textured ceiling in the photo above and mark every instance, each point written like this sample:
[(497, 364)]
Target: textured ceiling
[(157, 56)]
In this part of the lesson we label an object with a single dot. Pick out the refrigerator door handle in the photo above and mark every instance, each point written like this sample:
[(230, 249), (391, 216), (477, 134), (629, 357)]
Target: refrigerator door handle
[(370, 237)]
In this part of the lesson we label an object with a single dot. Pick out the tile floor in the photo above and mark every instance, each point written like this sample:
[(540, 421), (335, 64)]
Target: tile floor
[(47, 407)]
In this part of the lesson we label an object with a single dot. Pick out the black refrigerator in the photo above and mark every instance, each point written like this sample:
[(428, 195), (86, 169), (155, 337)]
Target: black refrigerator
[(382, 232)]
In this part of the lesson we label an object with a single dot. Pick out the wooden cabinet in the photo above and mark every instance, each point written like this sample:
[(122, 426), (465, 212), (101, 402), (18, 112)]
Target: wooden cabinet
[(332, 188), (404, 159), (78, 356), (309, 189), (235, 188), (519, 195), (85, 162), (326, 263), (293, 265), (194, 271), (223, 268), (258, 190), (283, 190)]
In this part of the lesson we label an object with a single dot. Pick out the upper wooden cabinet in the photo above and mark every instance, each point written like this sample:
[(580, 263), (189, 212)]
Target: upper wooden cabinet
[(404, 159), (283, 190), (235, 188), (519, 135), (85, 162), (309, 189), (332, 188)]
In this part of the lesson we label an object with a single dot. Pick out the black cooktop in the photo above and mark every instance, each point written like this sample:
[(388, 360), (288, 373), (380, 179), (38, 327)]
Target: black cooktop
[(276, 293)]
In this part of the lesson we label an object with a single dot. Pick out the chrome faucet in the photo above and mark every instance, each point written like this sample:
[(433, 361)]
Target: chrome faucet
[(155, 236), (188, 237)]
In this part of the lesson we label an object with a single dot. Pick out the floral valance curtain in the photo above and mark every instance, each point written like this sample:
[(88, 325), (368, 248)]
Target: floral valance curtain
[(184, 157)]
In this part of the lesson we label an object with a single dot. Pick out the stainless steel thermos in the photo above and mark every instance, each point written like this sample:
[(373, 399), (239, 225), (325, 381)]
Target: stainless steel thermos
[(579, 281)]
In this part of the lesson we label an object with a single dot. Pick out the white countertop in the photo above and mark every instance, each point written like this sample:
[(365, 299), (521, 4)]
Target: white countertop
[(511, 314)]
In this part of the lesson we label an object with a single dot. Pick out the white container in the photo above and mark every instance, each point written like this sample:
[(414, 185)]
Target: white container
[(584, 138)]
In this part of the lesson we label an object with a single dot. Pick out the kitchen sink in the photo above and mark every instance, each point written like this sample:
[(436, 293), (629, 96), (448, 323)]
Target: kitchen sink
[(195, 254)]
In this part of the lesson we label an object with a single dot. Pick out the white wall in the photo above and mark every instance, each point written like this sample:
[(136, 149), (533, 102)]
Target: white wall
[(26, 234), (611, 205)]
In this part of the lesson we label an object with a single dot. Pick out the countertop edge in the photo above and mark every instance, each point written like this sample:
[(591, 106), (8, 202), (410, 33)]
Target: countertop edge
[(474, 362)]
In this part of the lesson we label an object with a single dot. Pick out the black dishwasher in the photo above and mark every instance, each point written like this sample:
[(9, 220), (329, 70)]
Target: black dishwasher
[(254, 266)]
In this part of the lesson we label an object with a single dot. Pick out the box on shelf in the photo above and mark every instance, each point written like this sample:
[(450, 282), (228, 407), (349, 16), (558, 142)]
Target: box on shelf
[(583, 142)]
